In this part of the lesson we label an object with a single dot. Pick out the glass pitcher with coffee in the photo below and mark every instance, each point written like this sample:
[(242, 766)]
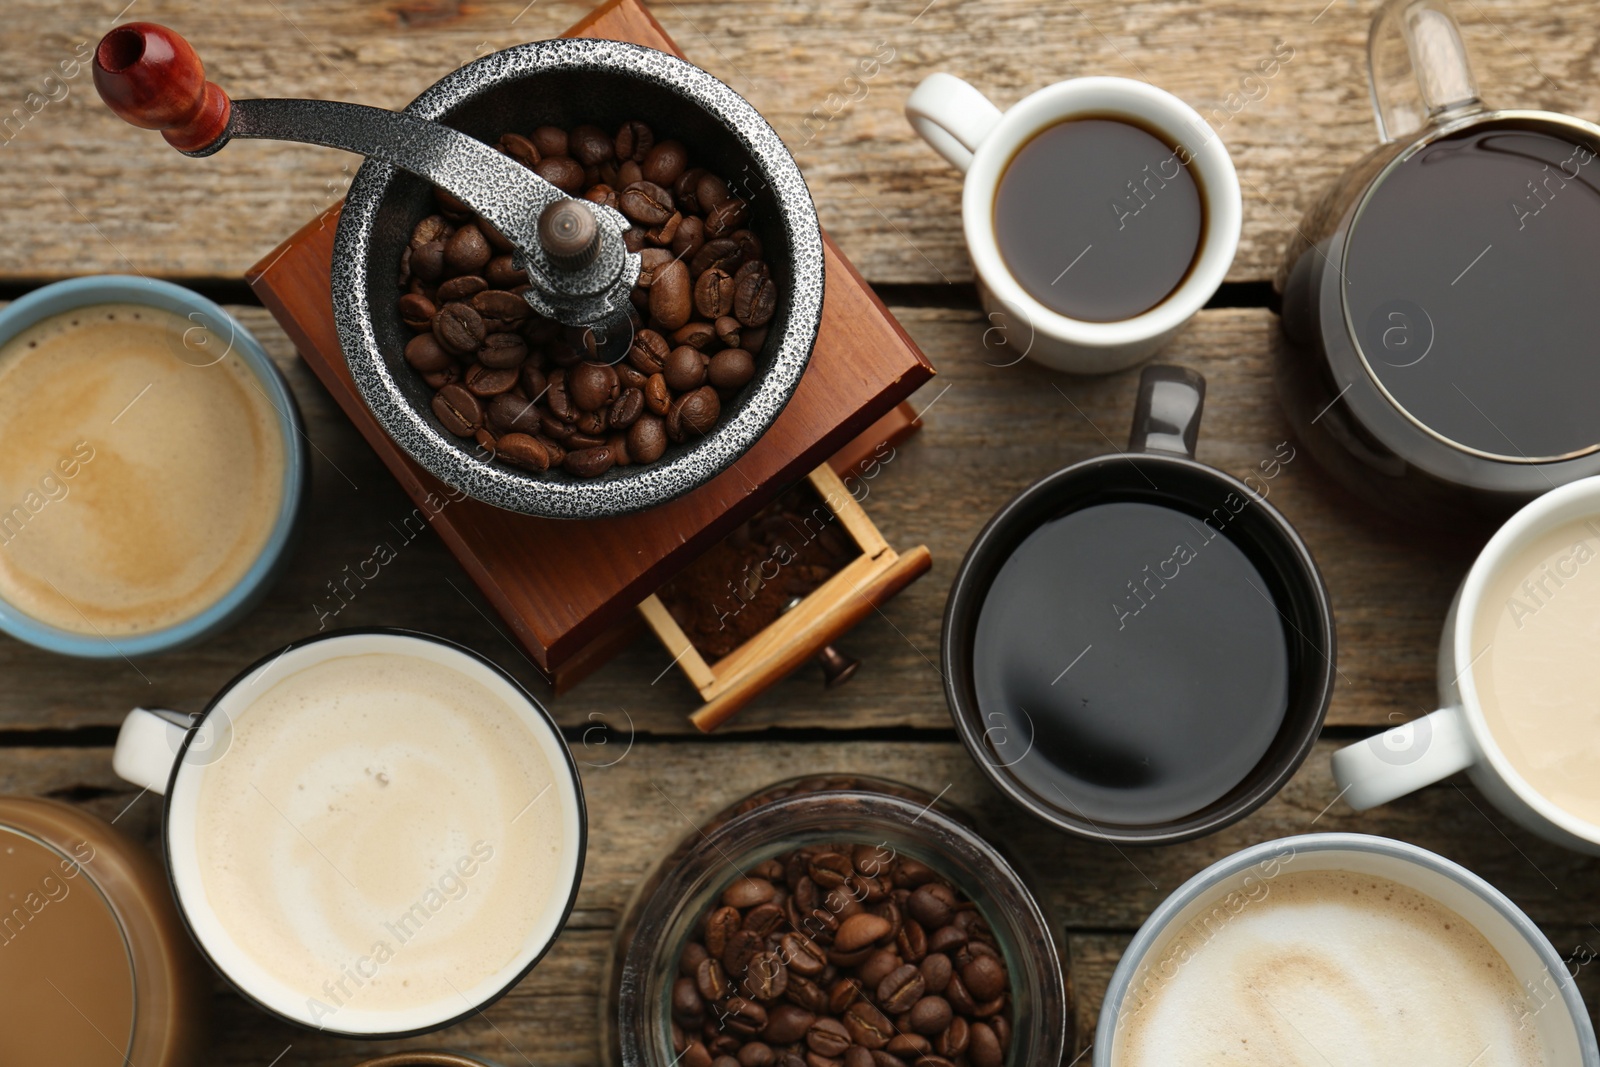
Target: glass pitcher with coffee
[(1437, 300)]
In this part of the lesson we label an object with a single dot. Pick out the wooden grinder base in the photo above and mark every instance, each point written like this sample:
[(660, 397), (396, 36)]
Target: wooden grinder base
[(568, 589)]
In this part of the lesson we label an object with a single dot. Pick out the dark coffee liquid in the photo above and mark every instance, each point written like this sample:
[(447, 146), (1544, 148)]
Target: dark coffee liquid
[(1135, 654), (1098, 219), (1471, 281)]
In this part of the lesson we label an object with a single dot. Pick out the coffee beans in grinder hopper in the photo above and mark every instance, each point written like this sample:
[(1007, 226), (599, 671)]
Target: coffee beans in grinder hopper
[(841, 956), (521, 385)]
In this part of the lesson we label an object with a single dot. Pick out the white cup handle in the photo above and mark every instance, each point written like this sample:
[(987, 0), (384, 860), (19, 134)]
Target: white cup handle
[(147, 746), (1404, 759), (951, 116)]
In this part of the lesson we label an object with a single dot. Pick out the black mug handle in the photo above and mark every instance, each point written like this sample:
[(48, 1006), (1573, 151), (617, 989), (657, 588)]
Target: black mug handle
[(1167, 415)]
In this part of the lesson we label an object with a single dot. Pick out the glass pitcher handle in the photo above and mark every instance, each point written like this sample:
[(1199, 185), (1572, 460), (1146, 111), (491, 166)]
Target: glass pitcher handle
[(1418, 67)]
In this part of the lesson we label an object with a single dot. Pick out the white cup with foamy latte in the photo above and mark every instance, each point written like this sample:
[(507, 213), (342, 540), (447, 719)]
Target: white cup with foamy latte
[(1334, 949), (372, 833), (1518, 674)]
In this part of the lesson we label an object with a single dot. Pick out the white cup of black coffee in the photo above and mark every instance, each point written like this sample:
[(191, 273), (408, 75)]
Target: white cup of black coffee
[(1100, 214), (1139, 648)]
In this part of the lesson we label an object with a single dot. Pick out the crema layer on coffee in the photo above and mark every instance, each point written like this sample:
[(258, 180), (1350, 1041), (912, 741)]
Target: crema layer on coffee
[(141, 470), (382, 832), (1327, 969)]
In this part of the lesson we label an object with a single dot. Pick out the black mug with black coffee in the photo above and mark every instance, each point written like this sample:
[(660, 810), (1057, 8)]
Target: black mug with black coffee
[(1139, 648)]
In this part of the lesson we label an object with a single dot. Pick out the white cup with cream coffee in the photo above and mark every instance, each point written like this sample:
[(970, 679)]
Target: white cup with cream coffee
[(1518, 674), (1341, 949), (371, 833)]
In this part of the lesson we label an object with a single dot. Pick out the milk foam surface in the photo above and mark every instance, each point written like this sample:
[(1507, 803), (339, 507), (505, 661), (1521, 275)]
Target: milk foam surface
[(381, 832), (1328, 969), (137, 486), (1536, 669)]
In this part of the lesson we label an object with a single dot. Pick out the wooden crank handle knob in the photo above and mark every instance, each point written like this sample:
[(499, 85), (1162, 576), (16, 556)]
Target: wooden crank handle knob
[(152, 78)]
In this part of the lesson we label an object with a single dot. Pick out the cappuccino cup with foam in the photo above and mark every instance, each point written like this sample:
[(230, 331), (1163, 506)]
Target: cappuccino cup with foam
[(152, 467), (372, 833), (1338, 950), (1517, 680)]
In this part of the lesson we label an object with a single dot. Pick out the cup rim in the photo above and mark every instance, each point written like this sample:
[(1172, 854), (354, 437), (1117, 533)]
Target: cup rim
[(1056, 103), (1530, 520), (62, 296), (966, 600), (580, 846), (1403, 851)]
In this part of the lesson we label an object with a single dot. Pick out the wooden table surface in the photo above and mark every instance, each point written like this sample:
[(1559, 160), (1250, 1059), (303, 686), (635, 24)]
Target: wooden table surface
[(84, 193)]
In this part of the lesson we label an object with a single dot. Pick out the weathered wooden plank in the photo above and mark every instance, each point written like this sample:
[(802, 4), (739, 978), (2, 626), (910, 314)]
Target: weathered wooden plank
[(88, 193), (653, 795), (989, 430)]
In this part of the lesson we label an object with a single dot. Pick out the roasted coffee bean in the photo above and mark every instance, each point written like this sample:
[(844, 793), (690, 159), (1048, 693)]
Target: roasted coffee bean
[(828, 1037), (757, 1053), (647, 439), (712, 980), (427, 261), (657, 397), (754, 300), (592, 424), (908, 1046), (936, 971), (720, 252), (458, 328), (417, 311), (690, 237), (955, 1038), (665, 163), (524, 451), (749, 244), (947, 939), (901, 989), (510, 414), (459, 411), (909, 874), (601, 194), (843, 993), (983, 1047), (932, 905), (747, 892), (876, 967), (731, 368), (646, 203), (960, 998), (766, 977), (503, 351), (830, 869), (590, 145), (743, 1016), (930, 1016), (519, 148), (751, 339), (670, 302), (503, 274), (697, 335), (592, 386), (467, 250), (728, 331), (489, 381), (804, 955), (533, 380), (806, 993), (650, 261), (1002, 1029), (562, 172), (868, 1026), (649, 351), (688, 1006), (710, 192), (931, 1060), (727, 217), (432, 228), (787, 1023), (629, 376), (425, 353), (984, 977), (713, 293), (684, 189), (634, 238), (633, 141), (558, 453), (741, 949), (689, 960), (440, 379), (685, 369), (589, 462), (623, 414), (463, 288), (620, 456), (696, 412), (550, 140), (500, 310), (860, 931)]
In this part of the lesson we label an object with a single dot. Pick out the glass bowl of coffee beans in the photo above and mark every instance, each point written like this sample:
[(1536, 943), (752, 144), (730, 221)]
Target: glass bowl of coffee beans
[(837, 922), (522, 412)]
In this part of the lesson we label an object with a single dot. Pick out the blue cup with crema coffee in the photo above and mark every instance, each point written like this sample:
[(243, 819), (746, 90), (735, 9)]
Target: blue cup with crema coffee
[(153, 467)]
